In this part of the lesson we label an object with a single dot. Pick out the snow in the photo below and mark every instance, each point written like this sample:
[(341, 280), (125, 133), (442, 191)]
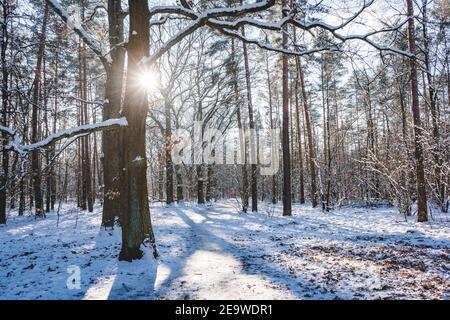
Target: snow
[(138, 159), (7, 131), (216, 252), (66, 133)]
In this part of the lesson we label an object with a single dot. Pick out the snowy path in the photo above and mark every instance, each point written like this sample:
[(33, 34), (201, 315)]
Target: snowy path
[(210, 267), (215, 252)]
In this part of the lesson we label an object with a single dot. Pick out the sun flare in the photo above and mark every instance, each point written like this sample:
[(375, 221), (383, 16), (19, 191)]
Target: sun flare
[(148, 80)]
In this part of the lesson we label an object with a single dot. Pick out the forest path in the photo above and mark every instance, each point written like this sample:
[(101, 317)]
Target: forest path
[(208, 265), (216, 252)]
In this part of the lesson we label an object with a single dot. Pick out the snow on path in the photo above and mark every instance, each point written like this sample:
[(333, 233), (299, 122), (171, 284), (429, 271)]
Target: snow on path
[(352, 253), (208, 267)]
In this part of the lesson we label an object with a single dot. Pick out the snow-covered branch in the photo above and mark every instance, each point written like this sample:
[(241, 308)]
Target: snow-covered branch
[(269, 47), (16, 145), (212, 18), (8, 131), (215, 12)]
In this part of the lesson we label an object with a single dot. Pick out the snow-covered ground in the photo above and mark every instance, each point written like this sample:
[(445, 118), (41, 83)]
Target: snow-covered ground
[(215, 252)]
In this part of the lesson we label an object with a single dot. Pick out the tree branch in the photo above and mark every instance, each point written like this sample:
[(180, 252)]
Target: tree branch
[(16, 146)]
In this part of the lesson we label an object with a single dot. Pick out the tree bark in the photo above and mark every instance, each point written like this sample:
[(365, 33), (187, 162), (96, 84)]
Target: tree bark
[(136, 222), (111, 110), (35, 162), (422, 215), (299, 135), (168, 152), (242, 144), (179, 176), (253, 150), (5, 115), (287, 197), (440, 187), (269, 88)]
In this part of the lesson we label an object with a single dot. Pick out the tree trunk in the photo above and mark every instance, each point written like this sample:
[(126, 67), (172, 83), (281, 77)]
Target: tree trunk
[(269, 88), (244, 191), (179, 176), (168, 153), (210, 183), (253, 150), (5, 116), (87, 172), (299, 135), (35, 162), (136, 222), (310, 136), (111, 110), (287, 197), (440, 187), (422, 215), (52, 174)]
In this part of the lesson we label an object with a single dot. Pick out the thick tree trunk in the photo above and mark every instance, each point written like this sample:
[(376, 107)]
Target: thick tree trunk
[(111, 110), (135, 218), (422, 215)]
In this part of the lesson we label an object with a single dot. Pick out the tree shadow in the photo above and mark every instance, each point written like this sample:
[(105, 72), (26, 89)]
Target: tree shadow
[(276, 276), (258, 262)]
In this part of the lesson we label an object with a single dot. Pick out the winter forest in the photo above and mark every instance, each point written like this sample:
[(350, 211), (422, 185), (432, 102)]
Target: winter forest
[(225, 149)]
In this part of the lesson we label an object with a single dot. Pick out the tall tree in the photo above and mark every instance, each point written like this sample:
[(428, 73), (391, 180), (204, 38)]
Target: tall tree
[(168, 150), (111, 110), (418, 130), (35, 161), (4, 113), (135, 212), (252, 149), (271, 123), (242, 144), (287, 197)]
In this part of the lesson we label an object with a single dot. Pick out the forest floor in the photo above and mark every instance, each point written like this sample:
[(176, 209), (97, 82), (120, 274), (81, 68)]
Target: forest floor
[(215, 252)]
